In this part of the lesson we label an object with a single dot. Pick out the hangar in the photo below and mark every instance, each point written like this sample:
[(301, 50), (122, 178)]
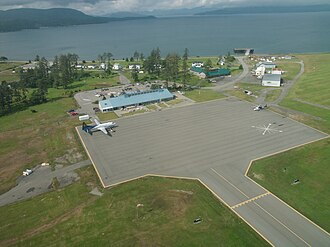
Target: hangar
[(271, 80), (135, 99)]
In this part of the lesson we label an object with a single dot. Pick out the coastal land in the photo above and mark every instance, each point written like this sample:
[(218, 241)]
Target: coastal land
[(124, 215)]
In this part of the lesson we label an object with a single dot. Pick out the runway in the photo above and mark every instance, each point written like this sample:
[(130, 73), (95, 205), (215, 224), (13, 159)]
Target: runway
[(213, 142)]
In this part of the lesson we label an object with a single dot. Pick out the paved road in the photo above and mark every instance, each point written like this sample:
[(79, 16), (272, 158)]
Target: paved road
[(40, 182), (229, 85), (213, 142)]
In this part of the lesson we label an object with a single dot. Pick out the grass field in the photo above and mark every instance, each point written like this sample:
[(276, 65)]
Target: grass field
[(47, 135), (313, 87), (272, 95), (203, 95), (309, 164), (291, 69), (107, 116), (168, 207)]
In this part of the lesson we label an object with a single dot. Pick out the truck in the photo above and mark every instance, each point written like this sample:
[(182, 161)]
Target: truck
[(83, 117)]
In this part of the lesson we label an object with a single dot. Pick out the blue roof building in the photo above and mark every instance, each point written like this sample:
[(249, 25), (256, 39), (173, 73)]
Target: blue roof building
[(135, 99)]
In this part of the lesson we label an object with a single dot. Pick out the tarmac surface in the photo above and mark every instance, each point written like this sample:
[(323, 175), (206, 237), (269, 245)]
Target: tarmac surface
[(213, 142), (40, 181)]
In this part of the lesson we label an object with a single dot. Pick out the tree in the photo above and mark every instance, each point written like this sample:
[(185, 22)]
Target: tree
[(141, 56), (153, 63), (185, 67), (171, 67), (3, 59), (136, 56), (208, 65), (135, 74)]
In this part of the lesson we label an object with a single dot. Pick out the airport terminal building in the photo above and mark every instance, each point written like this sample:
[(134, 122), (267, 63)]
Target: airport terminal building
[(135, 99)]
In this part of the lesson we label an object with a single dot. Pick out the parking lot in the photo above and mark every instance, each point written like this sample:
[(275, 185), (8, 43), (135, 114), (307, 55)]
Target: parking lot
[(213, 142)]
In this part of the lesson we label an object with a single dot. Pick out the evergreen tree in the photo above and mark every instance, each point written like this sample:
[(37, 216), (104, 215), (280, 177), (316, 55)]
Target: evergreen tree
[(185, 67)]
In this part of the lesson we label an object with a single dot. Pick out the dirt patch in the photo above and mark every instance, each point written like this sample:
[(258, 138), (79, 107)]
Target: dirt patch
[(72, 156), (258, 176), (175, 202)]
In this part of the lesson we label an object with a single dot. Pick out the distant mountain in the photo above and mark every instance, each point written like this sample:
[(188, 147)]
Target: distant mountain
[(267, 10), (18, 19), (125, 14)]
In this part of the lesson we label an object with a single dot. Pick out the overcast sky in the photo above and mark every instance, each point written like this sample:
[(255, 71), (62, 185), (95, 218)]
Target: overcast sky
[(100, 7)]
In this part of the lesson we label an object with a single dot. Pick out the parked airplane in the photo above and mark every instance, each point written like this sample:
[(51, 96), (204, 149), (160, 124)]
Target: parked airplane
[(106, 128), (259, 107)]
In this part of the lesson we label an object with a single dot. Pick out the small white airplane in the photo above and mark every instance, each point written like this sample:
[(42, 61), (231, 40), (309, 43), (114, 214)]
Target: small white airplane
[(259, 107), (106, 128)]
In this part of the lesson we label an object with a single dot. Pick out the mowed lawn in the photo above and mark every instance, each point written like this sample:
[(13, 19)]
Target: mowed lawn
[(312, 88), (310, 163), (203, 95), (146, 212)]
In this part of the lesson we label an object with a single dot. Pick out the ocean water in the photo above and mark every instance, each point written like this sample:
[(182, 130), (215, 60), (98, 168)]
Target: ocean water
[(202, 35)]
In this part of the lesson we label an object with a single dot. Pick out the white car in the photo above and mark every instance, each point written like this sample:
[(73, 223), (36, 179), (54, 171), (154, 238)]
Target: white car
[(27, 172)]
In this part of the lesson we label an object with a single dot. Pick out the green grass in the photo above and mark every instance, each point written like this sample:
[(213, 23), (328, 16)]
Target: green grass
[(272, 95), (133, 113), (174, 101), (107, 116), (309, 164), (203, 95), (291, 68), (152, 107), (9, 65), (313, 86), (97, 80), (73, 217)]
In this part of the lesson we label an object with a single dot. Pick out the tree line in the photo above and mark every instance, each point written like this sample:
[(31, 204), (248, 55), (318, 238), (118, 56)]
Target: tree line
[(33, 84)]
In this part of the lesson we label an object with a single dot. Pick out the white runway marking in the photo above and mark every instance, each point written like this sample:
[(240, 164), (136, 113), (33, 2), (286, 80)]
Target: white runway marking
[(266, 129)]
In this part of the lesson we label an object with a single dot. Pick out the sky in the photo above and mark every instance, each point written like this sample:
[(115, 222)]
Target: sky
[(102, 7)]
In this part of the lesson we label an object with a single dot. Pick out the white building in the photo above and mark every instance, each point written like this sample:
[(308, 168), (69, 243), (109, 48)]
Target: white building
[(267, 65), (92, 66), (197, 64), (103, 66), (117, 66), (260, 71), (134, 66), (271, 80)]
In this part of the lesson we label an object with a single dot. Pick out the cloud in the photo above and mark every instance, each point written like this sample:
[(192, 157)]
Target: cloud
[(98, 7)]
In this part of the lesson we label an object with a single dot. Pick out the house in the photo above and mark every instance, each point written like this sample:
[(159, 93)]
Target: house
[(134, 66), (266, 65), (91, 66), (103, 66), (135, 99), (271, 80), (197, 64), (117, 66), (260, 71)]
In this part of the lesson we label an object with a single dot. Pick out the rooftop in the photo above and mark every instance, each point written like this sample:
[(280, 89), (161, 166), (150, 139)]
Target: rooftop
[(133, 98)]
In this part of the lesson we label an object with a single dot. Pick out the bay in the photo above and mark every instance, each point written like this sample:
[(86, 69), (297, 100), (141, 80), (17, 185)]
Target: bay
[(202, 35)]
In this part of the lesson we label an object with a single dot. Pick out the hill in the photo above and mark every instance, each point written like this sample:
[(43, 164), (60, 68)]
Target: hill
[(267, 10), (18, 19)]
